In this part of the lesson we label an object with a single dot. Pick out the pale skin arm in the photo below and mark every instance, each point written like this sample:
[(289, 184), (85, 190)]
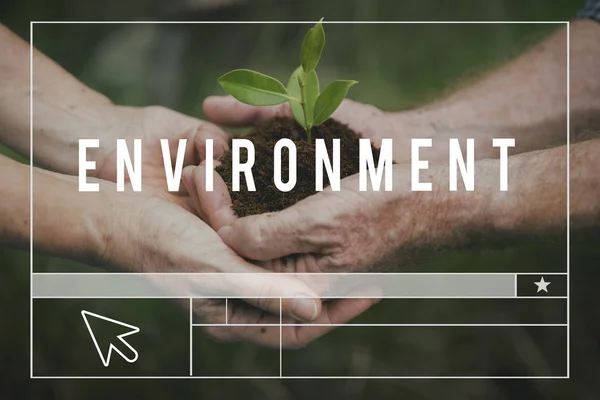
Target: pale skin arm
[(81, 223), (126, 231), (62, 104), (352, 230), (144, 232), (65, 110), (525, 99)]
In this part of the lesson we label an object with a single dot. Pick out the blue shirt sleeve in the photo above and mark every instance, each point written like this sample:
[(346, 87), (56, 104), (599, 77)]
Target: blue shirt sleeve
[(590, 10)]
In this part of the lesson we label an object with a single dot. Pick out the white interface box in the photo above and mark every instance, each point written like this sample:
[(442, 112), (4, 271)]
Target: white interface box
[(86, 290)]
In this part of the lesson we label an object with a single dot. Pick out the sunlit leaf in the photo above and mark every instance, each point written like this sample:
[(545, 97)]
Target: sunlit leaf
[(253, 88), (330, 100), (312, 47), (311, 92)]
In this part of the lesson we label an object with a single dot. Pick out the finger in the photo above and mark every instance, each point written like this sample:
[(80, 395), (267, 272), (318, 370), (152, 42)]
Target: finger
[(207, 311), (269, 236), (246, 323), (334, 313), (250, 324), (190, 186), (226, 110), (195, 148), (205, 131), (215, 204), (357, 116), (279, 294), (212, 314)]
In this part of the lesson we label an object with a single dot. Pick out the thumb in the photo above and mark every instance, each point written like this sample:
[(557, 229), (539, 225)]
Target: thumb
[(226, 110), (272, 292), (230, 276), (215, 204), (269, 236), (206, 130)]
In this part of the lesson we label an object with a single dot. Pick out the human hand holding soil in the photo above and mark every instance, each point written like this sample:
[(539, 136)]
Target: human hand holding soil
[(370, 121), (150, 234), (143, 232), (151, 124), (151, 231), (344, 231)]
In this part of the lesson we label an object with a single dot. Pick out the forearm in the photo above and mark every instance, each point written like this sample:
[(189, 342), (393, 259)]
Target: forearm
[(61, 105), (535, 201), (65, 223), (525, 100)]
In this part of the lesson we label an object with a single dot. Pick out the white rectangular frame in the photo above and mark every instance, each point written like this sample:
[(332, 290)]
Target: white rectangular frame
[(32, 376)]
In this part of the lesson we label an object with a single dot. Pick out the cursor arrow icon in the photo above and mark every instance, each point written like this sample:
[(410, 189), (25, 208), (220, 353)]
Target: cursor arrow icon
[(131, 330)]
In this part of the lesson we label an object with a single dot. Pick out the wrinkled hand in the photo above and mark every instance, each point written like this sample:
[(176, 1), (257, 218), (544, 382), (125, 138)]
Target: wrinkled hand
[(330, 231), (216, 206), (340, 231), (145, 233), (151, 124), (154, 231), (369, 121)]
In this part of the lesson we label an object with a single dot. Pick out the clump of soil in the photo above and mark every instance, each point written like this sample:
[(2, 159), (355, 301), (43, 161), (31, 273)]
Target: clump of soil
[(267, 198)]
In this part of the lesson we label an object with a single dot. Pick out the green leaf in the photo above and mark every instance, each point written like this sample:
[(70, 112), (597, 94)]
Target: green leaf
[(311, 92), (330, 100), (312, 46), (253, 88)]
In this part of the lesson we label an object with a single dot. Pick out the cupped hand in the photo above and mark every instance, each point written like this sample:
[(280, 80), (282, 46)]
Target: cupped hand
[(154, 231), (344, 231), (369, 121), (146, 233), (270, 248), (250, 324), (151, 124)]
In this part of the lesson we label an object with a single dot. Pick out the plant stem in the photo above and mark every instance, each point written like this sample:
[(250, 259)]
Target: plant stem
[(307, 125)]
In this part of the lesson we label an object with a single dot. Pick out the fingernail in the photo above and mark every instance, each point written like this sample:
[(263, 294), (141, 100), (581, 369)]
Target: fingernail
[(304, 309), (218, 99), (211, 98)]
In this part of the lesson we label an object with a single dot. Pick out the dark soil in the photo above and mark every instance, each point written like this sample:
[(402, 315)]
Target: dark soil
[(267, 198)]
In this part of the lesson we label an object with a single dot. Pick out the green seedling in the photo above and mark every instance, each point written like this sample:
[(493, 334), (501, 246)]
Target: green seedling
[(309, 106)]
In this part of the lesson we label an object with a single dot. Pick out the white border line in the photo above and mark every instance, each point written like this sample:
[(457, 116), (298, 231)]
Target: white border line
[(280, 338), (31, 199), (401, 377), (533, 297), (191, 335), (300, 273), (568, 197), (307, 22), (31, 25), (308, 324)]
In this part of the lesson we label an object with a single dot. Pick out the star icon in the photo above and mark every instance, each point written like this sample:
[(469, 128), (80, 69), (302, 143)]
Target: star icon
[(542, 285)]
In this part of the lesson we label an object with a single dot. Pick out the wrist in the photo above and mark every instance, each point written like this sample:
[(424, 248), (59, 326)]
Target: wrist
[(463, 217), (115, 221), (439, 217), (66, 222), (58, 130)]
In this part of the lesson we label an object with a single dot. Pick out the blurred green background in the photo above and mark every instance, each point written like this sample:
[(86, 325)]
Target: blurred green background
[(399, 67)]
